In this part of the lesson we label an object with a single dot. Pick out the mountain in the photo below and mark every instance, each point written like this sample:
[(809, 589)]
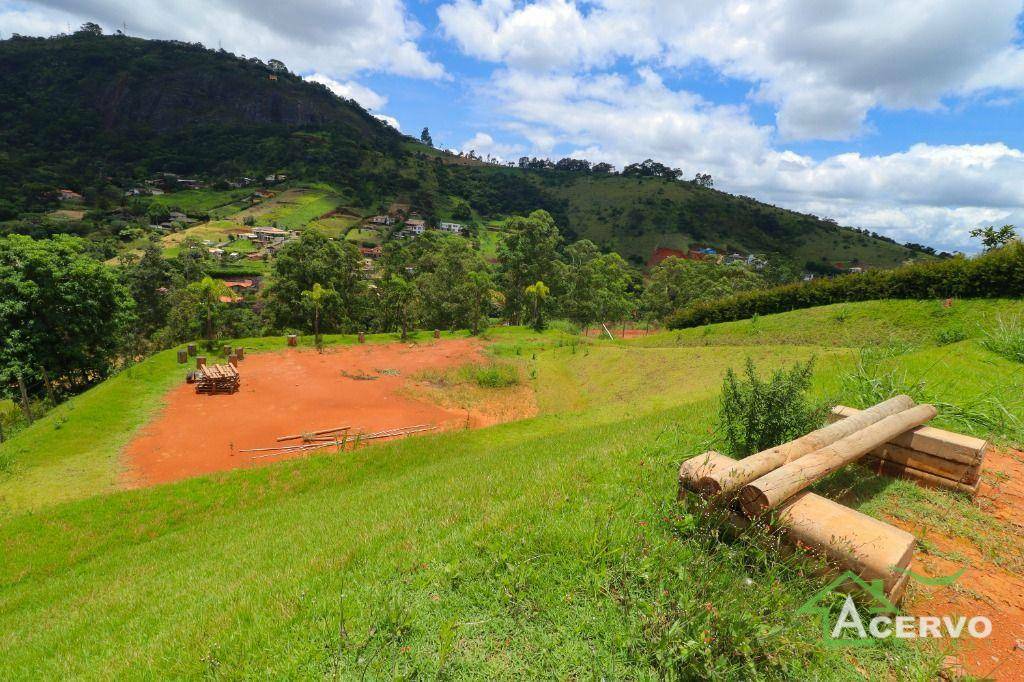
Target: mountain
[(99, 113)]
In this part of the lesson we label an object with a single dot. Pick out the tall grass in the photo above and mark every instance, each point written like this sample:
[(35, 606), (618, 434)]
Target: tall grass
[(1006, 339)]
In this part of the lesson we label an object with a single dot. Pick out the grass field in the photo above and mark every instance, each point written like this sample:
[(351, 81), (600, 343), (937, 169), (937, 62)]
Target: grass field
[(202, 200), (550, 547)]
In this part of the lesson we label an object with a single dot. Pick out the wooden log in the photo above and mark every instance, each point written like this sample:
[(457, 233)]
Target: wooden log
[(846, 538), (233, 360), (895, 470), (200, 361), (692, 470), (227, 350), (955, 447), (362, 337), (437, 333), (192, 350), (779, 485), (240, 352), (900, 456), (293, 340), (182, 356), (313, 433), (753, 467)]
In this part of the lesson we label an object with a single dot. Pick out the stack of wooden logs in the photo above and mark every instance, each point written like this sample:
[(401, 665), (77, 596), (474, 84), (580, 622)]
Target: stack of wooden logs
[(937, 458), (213, 379), (890, 434)]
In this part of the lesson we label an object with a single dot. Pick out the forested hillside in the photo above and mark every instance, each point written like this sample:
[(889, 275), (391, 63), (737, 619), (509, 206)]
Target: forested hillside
[(97, 114)]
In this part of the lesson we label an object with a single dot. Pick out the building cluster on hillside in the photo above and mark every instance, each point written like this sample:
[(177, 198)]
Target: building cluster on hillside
[(708, 254)]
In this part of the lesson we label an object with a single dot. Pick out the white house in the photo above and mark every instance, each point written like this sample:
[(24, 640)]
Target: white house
[(416, 227), (455, 228), (382, 220)]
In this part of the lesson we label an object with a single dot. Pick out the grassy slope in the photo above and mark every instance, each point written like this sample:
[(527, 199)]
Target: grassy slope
[(635, 217), (550, 546)]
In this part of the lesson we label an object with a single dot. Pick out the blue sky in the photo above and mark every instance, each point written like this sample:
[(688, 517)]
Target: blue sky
[(896, 115)]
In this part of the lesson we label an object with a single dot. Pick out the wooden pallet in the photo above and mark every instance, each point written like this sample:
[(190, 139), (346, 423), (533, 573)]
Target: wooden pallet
[(212, 379)]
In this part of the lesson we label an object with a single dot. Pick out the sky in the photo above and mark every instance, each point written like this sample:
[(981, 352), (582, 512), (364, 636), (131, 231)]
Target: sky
[(903, 117)]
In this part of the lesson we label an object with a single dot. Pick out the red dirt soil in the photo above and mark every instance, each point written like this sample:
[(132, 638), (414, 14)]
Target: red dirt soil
[(290, 392), (985, 589)]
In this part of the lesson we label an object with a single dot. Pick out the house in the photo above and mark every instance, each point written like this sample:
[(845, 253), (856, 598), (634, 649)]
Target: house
[(371, 252), (856, 270), (189, 183), (68, 195), (215, 252), (661, 253), (230, 299), (265, 235), (454, 228), (415, 227), (136, 192), (382, 220)]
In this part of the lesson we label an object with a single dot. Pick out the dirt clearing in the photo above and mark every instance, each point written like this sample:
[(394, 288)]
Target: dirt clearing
[(987, 588), (369, 387)]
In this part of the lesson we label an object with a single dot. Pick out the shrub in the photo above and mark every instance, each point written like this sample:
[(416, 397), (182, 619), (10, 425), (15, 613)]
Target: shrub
[(996, 274), (755, 414), (950, 335), (1007, 339), (496, 376)]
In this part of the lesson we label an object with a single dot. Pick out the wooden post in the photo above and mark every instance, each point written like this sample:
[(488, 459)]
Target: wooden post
[(240, 353), (227, 350), (437, 333), (192, 350), (362, 337), (233, 360), (182, 357), (49, 386), (200, 362), (777, 486), (293, 340), (746, 470), (25, 405)]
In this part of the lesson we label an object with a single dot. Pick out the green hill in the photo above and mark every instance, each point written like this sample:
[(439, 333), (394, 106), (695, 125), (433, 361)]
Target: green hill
[(99, 114), (550, 547)]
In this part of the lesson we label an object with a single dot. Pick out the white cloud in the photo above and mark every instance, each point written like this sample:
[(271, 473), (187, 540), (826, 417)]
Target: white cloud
[(932, 194), (824, 64), (340, 38), (484, 145), (369, 99), (390, 120)]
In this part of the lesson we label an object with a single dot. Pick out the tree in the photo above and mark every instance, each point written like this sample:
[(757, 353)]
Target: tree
[(315, 259), (454, 284), (528, 254), (62, 312), (317, 299), (676, 283), (603, 168), (89, 29), (425, 137), (704, 180), (461, 210), (993, 238), (536, 298), (399, 300), (149, 279)]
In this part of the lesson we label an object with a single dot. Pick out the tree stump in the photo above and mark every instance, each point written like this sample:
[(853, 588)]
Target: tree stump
[(362, 337), (192, 350), (227, 350), (233, 360), (200, 361), (293, 340), (240, 353), (437, 333), (182, 356)]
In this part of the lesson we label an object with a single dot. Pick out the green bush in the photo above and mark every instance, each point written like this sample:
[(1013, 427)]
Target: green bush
[(1007, 339), (996, 274), (755, 414), (496, 376)]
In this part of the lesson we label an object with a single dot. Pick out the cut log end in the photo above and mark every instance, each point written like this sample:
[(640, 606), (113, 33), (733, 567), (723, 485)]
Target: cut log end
[(753, 501)]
